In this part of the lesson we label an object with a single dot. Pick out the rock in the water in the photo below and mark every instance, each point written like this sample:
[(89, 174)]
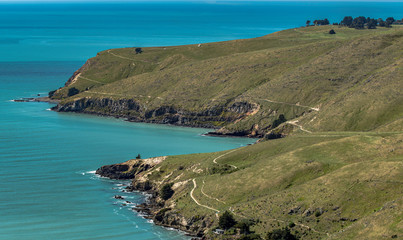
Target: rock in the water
[(118, 197)]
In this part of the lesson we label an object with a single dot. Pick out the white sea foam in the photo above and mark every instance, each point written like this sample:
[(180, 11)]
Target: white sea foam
[(91, 172)]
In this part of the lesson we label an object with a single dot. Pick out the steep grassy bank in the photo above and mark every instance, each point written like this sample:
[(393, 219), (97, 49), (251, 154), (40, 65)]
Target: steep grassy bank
[(349, 81)]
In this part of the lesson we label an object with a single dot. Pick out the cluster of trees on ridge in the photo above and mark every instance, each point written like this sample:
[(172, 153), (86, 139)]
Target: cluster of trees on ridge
[(358, 22)]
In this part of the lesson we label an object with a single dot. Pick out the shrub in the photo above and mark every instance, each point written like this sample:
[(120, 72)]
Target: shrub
[(252, 236), (332, 31), (279, 120), (72, 91), (281, 234), (291, 225), (138, 50), (167, 191), (226, 220)]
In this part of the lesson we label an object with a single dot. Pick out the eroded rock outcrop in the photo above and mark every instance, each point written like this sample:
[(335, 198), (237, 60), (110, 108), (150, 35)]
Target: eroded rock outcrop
[(137, 112)]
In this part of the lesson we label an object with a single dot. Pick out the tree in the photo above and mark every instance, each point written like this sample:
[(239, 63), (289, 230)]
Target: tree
[(138, 156), (244, 226), (138, 50), (72, 91), (371, 23), (321, 22), (226, 220), (382, 23), (308, 22), (166, 191), (359, 22), (279, 121), (390, 20), (332, 31), (281, 234), (347, 21)]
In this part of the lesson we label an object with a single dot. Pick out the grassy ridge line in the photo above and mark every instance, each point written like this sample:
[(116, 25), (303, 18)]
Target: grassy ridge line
[(304, 66)]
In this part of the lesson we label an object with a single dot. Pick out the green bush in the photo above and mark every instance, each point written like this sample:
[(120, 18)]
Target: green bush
[(281, 234), (226, 220), (252, 236), (73, 91), (167, 191)]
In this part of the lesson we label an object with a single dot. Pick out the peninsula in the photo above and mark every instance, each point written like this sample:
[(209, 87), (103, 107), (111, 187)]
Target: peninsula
[(327, 107)]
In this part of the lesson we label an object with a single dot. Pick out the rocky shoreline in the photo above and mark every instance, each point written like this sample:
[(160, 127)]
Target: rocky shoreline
[(154, 207), (132, 111)]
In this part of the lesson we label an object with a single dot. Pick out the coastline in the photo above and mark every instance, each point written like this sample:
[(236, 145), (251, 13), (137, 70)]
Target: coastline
[(180, 119), (153, 208)]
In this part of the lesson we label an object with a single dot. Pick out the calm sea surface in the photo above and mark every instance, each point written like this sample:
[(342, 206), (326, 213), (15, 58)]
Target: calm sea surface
[(47, 186)]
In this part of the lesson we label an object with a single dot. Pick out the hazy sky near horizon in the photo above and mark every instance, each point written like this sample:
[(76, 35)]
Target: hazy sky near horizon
[(55, 1)]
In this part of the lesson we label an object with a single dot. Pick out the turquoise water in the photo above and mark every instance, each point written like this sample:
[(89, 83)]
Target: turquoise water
[(74, 32), (47, 186)]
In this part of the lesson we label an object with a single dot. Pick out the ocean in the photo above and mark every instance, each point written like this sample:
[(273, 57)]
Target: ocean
[(48, 189)]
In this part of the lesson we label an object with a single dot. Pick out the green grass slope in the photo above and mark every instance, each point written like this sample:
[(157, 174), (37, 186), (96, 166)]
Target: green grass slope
[(339, 175), (350, 81), (331, 185)]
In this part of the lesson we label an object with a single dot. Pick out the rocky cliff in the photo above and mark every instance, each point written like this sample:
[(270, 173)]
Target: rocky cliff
[(160, 211), (134, 111)]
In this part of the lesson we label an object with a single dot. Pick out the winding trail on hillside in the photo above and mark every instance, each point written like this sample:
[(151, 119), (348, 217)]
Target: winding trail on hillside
[(131, 59), (291, 104), (294, 122), (91, 80), (195, 185), (104, 93), (215, 159), (197, 202)]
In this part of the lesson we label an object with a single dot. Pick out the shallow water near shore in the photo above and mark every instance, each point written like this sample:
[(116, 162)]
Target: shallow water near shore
[(48, 189)]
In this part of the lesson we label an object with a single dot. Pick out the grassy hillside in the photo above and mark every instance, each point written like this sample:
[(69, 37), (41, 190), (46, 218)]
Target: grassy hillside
[(338, 175), (335, 185), (349, 81)]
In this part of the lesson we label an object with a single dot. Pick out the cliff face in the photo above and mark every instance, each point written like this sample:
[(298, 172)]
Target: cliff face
[(132, 110), (155, 208)]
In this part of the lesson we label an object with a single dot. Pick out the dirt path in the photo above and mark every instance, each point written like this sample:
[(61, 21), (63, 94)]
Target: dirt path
[(205, 194), (104, 93), (131, 59), (292, 104), (197, 202), (294, 122), (215, 159), (116, 55), (91, 80)]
